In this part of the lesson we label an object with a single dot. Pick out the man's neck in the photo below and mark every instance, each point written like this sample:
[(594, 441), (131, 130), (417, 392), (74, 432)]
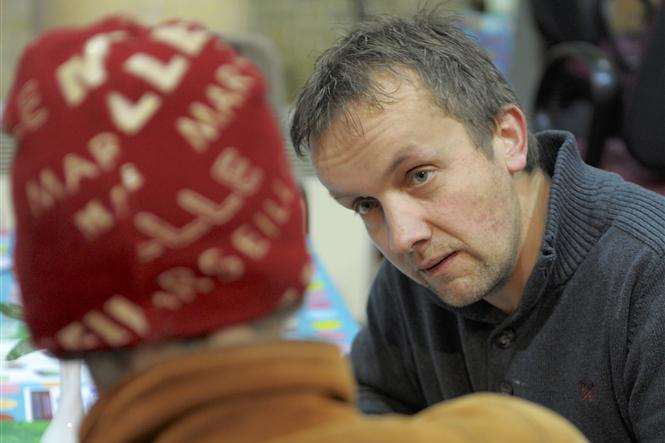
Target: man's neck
[(533, 191)]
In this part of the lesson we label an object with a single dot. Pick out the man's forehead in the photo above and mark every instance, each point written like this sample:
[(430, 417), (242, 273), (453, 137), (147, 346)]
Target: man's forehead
[(395, 89)]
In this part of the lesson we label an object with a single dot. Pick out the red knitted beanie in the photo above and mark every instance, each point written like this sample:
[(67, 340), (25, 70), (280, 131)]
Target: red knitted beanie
[(153, 199)]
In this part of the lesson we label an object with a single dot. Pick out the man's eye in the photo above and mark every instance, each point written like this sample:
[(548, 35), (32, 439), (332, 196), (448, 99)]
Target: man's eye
[(420, 177), (364, 206)]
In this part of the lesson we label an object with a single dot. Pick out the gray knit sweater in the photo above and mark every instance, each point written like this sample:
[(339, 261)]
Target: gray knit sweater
[(588, 339)]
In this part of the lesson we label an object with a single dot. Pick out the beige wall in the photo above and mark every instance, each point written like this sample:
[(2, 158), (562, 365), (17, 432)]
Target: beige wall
[(230, 15), (17, 28), (6, 212), (22, 20), (341, 242)]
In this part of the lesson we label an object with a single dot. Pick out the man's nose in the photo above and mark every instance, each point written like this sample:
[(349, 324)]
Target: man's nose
[(406, 225)]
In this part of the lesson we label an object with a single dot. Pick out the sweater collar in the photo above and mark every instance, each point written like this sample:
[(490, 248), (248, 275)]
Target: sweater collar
[(577, 214), (147, 401), (575, 221)]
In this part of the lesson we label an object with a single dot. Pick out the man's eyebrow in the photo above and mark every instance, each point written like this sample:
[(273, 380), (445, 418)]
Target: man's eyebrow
[(402, 155), (337, 196), (405, 153)]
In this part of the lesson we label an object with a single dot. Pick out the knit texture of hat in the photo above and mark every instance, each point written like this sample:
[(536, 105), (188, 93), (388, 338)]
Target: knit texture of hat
[(152, 195)]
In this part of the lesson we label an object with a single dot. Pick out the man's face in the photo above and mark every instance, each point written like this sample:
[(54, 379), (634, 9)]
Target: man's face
[(434, 204)]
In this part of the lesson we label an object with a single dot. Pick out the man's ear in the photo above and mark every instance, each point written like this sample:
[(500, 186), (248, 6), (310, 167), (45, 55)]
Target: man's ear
[(510, 138)]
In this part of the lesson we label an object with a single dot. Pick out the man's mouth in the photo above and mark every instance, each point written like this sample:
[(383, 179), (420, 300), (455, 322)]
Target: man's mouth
[(437, 265)]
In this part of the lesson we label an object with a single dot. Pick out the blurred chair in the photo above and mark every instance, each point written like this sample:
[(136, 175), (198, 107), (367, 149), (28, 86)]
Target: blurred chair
[(644, 119), (611, 95), (565, 21)]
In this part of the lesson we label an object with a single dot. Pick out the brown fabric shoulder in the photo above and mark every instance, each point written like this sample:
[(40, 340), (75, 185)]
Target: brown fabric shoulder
[(481, 417), (296, 392)]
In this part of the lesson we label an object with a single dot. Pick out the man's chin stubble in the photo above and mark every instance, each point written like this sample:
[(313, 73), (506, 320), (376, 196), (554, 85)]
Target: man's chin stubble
[(471, 295)]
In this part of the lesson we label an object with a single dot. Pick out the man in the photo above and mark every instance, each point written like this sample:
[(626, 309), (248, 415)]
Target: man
[(511, 265), (160, 238)]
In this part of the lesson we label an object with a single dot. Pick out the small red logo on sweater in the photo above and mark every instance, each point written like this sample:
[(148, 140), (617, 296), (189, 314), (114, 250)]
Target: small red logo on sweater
[(587, 390)]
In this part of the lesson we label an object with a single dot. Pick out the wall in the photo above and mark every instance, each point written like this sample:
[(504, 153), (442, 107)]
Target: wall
[(339, 238), (6, 213)]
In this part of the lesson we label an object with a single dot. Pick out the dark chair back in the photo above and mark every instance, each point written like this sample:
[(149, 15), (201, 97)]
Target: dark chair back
[(615, 108), (566, 20), (644, 120)]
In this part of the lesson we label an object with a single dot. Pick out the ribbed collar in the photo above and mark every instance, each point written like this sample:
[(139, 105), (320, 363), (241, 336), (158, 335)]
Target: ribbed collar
[(145, 402), (576, 219)]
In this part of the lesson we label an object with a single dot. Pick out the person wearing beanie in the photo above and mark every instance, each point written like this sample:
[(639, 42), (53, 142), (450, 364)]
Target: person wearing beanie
[(159, 237)]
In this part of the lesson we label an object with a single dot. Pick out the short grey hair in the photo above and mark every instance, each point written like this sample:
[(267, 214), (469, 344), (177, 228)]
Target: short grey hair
[(457, 72)]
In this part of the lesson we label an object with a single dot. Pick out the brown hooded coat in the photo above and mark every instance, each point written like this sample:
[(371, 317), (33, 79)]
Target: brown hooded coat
[(295, 392)]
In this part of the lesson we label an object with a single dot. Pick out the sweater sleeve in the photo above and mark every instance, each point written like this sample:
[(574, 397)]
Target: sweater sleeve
[(644, 371), (385, 384)]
